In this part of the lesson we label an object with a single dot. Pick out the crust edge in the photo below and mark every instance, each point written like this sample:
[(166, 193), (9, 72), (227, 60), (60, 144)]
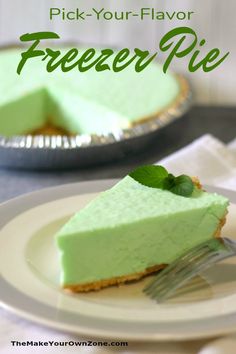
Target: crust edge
[(98, 285)]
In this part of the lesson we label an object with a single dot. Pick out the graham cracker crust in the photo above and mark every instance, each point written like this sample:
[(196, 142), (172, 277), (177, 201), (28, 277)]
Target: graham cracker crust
[(50, 130), (98, 285), (196, 182), (217, 233)]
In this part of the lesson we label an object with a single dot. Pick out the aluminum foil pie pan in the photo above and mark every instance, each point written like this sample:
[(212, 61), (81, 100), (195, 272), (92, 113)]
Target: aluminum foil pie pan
[(60, 152)]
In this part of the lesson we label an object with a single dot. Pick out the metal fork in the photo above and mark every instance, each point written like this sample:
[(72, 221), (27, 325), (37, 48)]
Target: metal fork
[(189, 265)]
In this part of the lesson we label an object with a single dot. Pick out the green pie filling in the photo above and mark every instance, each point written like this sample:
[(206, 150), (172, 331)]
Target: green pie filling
[(131, 227), (88, 102)]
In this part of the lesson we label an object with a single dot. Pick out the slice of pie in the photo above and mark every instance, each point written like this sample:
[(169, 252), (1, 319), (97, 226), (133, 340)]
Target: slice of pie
[(132, 230)]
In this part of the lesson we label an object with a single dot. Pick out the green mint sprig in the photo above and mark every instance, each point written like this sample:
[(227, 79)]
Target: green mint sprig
[(155, 176)]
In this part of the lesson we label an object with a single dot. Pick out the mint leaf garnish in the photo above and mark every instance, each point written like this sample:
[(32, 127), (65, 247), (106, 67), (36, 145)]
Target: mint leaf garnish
[(158, 177), (150, 175), (169, 182), (183, 185)]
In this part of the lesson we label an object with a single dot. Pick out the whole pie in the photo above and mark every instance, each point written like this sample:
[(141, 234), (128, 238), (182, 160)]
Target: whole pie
[(91, 102)]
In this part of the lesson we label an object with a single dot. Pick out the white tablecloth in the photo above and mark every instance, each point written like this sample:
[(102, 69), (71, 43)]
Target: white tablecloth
[(214, 163)]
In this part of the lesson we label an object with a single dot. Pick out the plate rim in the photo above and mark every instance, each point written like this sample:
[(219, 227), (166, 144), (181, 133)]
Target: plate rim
[(19, 303)]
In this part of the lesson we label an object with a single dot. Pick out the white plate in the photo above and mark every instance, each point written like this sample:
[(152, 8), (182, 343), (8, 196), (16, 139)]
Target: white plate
[(30, 278)]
